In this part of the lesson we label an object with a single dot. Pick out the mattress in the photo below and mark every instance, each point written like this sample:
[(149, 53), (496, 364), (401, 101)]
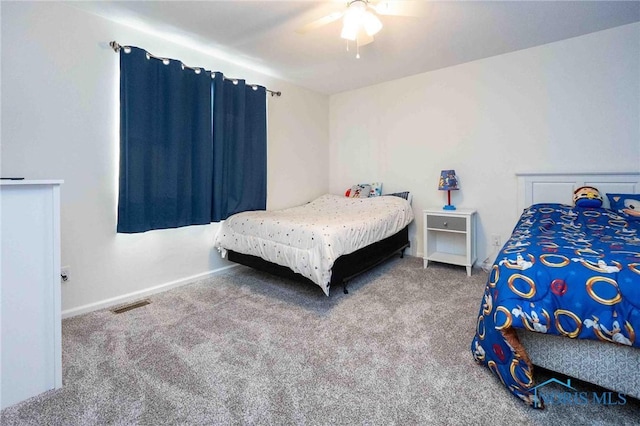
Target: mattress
[(309, 238)]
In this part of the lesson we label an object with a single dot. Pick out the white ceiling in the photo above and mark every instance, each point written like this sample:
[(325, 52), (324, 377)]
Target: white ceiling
[(262, 34)]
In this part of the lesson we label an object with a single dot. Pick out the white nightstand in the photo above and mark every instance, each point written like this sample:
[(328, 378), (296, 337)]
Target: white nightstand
[(450, 237)]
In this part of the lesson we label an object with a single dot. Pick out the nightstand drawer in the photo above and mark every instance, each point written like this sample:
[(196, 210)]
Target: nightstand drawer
[(447, 223)]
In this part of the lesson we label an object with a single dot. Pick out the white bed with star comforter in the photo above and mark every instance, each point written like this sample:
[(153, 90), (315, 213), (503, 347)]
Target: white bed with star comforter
[(309, 238)]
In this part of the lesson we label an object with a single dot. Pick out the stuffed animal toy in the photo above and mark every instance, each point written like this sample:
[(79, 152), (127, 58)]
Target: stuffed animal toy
[(587, 196), (626, 204)]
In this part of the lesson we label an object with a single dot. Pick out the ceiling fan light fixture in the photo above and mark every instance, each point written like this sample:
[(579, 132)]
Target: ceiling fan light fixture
[(353, 20), (371, 23), (350, 29)]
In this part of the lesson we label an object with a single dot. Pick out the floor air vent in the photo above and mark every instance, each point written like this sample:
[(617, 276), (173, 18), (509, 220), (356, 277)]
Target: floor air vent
[(130, 306)]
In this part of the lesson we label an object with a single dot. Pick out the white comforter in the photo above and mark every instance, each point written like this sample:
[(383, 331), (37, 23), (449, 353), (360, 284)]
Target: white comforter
[(309, 238)]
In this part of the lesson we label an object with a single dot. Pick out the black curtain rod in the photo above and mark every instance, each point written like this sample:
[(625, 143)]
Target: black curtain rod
[(116, 48)]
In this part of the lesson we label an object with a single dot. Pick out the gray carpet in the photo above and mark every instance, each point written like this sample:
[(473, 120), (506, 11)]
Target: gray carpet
[(248, 348)]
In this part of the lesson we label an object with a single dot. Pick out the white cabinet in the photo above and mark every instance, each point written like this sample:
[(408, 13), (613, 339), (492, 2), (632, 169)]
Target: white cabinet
[(30, 319), (450, 237)]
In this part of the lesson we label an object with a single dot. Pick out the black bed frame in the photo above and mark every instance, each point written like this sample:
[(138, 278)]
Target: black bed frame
[(345, 268)]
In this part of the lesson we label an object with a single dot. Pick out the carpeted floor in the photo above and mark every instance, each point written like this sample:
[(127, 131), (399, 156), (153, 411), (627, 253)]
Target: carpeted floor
[(248, 348)]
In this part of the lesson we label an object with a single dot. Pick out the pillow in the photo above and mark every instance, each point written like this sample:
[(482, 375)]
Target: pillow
[(587, 196), (626, 204), (358, 191), (376, 188)]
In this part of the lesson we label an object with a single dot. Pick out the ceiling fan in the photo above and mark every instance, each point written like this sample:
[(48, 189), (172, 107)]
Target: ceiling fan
[(361, 19)]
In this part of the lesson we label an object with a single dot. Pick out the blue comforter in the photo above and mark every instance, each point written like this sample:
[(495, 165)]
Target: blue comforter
[(567, 271)]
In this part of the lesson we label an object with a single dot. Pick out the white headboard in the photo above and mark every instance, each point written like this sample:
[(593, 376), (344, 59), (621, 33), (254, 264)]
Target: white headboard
[(558, 187)]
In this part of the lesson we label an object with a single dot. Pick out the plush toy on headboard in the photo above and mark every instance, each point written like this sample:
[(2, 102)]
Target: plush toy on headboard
[(587, 196), (625, 204)]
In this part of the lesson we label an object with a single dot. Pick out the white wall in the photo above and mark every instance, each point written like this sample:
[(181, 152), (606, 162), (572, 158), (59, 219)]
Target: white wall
[(567, 106), (60, 121)]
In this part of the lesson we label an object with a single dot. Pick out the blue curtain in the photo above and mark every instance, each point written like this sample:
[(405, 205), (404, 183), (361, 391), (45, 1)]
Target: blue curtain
[(239, 147), (192, 147), (165, 146)]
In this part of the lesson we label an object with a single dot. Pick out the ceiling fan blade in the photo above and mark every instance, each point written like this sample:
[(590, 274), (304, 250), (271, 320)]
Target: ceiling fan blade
[(406, 8), (320, 22)]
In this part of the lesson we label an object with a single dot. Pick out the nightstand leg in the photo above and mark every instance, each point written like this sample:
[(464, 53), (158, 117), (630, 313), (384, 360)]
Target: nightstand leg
[(468, 271), (425, 263)]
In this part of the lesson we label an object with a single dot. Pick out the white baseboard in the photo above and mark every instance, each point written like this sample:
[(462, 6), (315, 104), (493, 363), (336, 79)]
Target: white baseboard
[(136, 295)]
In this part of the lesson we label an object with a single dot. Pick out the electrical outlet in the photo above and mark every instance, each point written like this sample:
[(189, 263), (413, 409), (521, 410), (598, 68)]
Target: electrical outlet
[(495, 240), (64, 274)]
